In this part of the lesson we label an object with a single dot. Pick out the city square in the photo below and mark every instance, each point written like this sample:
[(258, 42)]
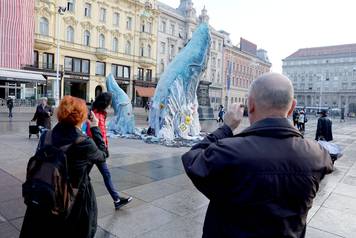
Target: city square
[(177, 118), (166, 203)]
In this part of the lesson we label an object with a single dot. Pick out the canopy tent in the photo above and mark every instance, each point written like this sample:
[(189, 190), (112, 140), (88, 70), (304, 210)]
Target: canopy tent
[(145, 92), (20, 76)]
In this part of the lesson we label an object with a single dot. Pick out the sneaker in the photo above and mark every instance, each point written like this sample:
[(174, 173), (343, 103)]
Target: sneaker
[(122, 202)]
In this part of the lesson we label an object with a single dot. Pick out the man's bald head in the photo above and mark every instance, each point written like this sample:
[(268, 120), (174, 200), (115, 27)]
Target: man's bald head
[(272, 91), (271, 94)]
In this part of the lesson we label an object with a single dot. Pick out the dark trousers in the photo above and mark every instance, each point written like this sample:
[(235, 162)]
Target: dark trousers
[(104, 170), (10, 111)]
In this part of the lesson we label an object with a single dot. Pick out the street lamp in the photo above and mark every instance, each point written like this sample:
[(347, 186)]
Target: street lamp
[(61, 11)]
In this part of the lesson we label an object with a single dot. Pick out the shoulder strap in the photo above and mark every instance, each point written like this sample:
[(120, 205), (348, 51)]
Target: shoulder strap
[(48, 138)]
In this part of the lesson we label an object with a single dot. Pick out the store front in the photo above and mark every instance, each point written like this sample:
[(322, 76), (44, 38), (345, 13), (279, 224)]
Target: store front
[(76, 87), (143, 92), (21, 84)]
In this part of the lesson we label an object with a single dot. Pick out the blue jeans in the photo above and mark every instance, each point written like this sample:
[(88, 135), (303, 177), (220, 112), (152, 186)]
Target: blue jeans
[(104, 170)]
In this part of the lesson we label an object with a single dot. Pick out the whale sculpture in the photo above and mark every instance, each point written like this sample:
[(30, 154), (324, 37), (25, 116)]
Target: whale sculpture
[(174, 108), (123, 122)]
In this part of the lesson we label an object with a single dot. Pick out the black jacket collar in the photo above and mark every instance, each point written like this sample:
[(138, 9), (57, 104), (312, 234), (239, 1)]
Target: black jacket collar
[(271, 127)]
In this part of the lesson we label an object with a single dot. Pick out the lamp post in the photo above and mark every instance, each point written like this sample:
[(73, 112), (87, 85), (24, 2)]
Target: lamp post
[(61, 11)]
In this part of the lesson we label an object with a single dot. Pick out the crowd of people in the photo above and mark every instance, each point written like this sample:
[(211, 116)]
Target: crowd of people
[(257, 181)]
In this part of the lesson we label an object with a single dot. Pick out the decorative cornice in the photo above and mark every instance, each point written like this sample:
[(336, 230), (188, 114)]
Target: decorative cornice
[(102, 29), (87, 25), (70, 20), (103, 4), (115, 33), (44, 11), (128, 36)]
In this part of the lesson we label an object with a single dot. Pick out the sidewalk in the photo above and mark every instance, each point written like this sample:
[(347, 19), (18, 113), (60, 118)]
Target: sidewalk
[(166, 204)]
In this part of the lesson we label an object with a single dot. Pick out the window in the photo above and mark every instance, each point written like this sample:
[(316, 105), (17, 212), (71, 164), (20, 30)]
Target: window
[(120, 71), (162, 66), (149, 75), (101, 41), (115, 44), (173, 29), (163, 47), (44, 26), (71, 5), (102, 16), (35, 58), (116, 19), (172, 51), (142, 51), (76, 65), (128, 48), (141, 73), (164, 27), (70, 34), (149, 27), (181, 33), (100, 68), (86, 38), (149, 51), (48, 61), (87, 10), (129, 23), (143, 26)]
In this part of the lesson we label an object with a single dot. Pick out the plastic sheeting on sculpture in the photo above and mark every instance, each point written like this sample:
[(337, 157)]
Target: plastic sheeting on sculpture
[(174, 110), (124, 121)]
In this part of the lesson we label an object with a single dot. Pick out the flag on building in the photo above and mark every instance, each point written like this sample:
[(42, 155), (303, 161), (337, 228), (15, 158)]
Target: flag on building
[(17, 27)]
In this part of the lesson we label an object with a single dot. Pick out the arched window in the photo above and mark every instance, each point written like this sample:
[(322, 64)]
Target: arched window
[(115, 45), (86, 38), (44, 26), (70, 34), (128, 48), (101, 41), (142, 51), (149, 51)]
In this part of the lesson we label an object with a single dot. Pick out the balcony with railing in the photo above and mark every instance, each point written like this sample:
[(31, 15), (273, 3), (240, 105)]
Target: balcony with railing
[(44, 42), (42, 67), (101, 53)]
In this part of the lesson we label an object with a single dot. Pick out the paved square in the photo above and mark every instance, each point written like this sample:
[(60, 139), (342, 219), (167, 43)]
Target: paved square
[(166, 204)]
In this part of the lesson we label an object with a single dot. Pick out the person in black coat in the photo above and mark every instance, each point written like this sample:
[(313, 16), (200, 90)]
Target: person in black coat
[(261, 182), (324, 128), (10, 106), (43, 114), (82, 220)]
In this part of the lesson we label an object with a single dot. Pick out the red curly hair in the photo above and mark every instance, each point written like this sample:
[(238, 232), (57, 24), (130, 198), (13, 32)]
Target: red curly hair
[(72, 111)]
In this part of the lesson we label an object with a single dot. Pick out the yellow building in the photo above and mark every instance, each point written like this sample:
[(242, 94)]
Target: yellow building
[(96, 37)]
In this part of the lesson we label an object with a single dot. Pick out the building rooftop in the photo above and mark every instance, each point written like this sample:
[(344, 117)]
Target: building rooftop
[(337, 50), (169, 8)]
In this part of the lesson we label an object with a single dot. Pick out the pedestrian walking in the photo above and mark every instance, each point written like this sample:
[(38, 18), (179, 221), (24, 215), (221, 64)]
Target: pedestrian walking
[(262, 181), (221, 114), (99, 107), (324, 128), (342, 116), (301, 121), (295, 118), (10, 106), (43, 114), (81, 222)]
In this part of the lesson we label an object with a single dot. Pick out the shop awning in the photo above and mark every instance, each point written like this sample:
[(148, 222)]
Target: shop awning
[(145, 92), (17, 75)]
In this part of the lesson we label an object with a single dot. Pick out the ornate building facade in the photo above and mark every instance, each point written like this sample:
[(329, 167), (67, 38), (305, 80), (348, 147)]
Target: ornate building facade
[(96, 37), (242, 65), (176, 26), (324, 77)]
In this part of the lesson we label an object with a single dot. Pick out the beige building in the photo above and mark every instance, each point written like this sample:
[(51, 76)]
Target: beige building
[(242, 65), (97, 37)]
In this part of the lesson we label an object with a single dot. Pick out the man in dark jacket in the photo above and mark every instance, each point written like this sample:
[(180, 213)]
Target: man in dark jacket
[(10, 106), (262, 181), (43, 114), (324, 128)]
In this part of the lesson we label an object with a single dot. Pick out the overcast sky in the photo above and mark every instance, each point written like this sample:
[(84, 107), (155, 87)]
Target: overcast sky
[(282, 26)]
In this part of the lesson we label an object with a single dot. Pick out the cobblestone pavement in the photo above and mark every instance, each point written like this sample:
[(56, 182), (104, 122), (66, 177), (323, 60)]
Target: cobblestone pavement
[(166, 204)]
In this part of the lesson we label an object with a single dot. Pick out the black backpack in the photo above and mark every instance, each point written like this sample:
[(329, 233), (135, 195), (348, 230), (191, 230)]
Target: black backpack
[(47, 185)]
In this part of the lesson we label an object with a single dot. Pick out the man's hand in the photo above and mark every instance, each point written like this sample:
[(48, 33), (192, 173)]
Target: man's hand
[(93, 120), (234, 116)]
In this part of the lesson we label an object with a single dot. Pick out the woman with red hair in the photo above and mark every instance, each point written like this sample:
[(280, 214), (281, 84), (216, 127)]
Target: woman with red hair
[(81, 155)]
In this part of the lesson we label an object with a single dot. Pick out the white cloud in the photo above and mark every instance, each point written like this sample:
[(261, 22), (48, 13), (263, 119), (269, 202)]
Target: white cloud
[(282, 26)]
